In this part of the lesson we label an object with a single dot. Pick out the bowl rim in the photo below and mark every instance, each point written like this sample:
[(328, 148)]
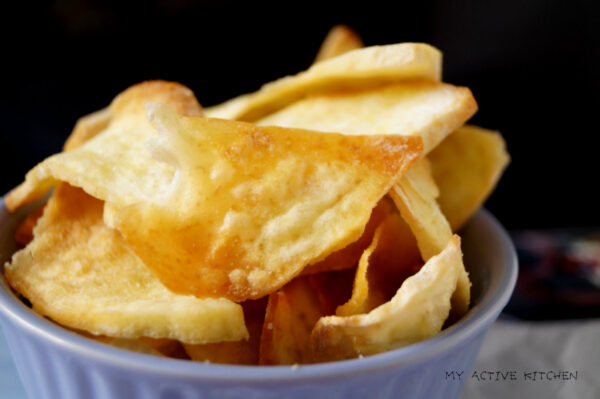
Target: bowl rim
[(475, 321)]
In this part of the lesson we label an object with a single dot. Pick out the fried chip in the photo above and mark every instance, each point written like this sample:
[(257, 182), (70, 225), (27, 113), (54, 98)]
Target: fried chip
[(339, 40), (467, 166), (415, 196), (348, 256), (250, 207), (81, 274), (392, 257), (239, 352), (366, 67), (24, 232), (416, 312), (134, 345), (98, 164), (88, 127), (291, 315), (167, 347), (431, 110), (360, 290)]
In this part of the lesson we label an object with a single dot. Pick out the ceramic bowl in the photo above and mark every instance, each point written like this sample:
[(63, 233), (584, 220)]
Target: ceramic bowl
[(56, 363)]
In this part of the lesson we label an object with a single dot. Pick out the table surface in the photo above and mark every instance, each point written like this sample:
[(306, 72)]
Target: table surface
[(511, 354)]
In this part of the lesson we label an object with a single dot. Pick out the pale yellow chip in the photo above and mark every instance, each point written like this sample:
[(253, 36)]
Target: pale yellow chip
[(415, 196), (416, 312), (467, 167), (243, 352), (112, 163), (249, 207), (338, 41), (366, 67), (431, 110), (81, 274)]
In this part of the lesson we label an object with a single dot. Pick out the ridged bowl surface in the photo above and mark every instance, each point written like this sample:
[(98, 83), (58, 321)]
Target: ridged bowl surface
[(56, 363)]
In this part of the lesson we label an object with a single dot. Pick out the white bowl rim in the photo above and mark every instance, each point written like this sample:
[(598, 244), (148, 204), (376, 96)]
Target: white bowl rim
[(477, 320)]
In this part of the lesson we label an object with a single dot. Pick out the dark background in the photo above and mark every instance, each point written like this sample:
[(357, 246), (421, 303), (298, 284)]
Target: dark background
[(533, 66)]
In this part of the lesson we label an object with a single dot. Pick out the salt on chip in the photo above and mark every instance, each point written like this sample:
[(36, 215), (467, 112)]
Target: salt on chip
[(249, 207), (338, 41), (467, 166), (366, 67), (430, 110), (81, 274), (114, 161), (416, 312), (392, 257)]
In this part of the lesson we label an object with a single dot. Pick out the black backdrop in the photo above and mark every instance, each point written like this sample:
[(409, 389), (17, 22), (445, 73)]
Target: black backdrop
[(533, 66)]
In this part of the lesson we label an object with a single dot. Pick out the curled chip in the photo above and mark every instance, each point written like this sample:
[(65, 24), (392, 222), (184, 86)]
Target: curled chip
[(415, 197), (314, 202), (366, 67), (291, 315), (466, 166), (392, 257), (348, 256), (113, 162), (81, 274), (417, 311), (249, 207)]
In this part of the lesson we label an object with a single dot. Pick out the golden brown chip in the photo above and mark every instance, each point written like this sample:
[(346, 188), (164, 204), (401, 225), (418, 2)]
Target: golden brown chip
[(24, 232), (291, 315), (348, 256), (431, 110), (249, 207), (339, 40), (81, 274), (87, 127), (416, 312), (467, 167), (239, 352), (167, 347), (415, 196), (392, 257), (97, 164), (134, 345), (366, 67)]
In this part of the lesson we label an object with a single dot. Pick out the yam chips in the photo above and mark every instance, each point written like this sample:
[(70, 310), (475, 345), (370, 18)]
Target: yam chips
[(313, 220)]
